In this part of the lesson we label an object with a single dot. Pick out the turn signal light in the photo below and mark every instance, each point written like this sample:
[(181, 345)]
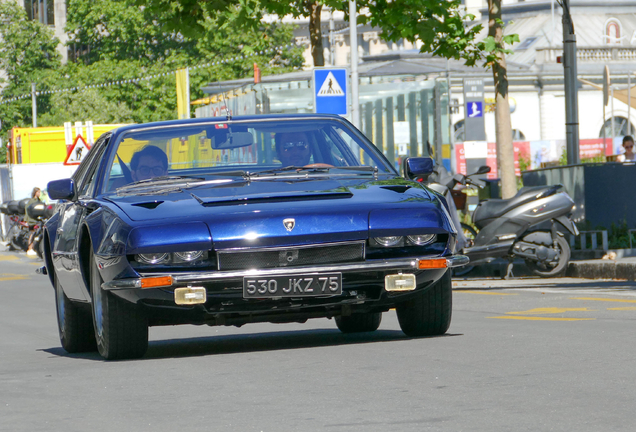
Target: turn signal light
[(435, 263), (190, 295), (155, 282)]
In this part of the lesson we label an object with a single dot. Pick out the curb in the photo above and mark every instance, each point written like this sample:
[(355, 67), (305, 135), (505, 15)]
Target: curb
[(605, 269)]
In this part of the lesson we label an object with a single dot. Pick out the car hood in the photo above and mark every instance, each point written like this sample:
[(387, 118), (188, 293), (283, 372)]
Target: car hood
[(251, 213)]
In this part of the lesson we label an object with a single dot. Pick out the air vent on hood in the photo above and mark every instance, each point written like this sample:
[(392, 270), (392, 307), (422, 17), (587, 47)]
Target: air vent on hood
[(149, 205), (398, 188)]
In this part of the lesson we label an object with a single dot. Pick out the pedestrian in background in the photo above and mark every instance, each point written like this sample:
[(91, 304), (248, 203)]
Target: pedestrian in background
[(35, 197), (628, 147)]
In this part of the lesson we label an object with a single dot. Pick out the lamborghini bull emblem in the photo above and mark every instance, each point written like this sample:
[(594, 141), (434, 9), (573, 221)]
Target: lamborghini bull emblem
[(289, 223)]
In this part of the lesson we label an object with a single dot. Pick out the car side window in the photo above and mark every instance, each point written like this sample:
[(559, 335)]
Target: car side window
[(86, 183)]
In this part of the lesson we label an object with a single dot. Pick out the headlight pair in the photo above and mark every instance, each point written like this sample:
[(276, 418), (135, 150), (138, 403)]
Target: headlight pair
[(165, 258), (400, 241)]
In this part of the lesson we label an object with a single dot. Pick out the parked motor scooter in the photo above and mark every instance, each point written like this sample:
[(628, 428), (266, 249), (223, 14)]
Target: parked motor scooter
[(19, 232), (525, 226)]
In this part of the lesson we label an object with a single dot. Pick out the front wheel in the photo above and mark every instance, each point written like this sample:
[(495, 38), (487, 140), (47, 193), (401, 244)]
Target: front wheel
[(121, 329), (429, 312), (73, 323), (557, 266), (360, 322)]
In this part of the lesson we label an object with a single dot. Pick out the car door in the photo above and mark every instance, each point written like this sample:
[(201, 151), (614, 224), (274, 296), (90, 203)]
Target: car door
[(66, 246)]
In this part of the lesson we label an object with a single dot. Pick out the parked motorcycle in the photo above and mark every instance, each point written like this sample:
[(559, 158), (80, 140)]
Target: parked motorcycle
[(525, 226), (19, 233)]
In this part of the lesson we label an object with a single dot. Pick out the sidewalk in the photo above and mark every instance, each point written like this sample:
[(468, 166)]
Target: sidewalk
[(620, 268)]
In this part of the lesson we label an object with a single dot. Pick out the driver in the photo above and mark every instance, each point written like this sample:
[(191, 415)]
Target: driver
[(293, 148), (147, 163)]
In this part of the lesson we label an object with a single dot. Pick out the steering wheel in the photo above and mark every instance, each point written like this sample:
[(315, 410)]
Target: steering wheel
[(318, 165)]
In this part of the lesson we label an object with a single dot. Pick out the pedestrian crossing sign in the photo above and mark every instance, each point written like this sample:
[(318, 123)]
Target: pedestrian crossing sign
[(330, 90)]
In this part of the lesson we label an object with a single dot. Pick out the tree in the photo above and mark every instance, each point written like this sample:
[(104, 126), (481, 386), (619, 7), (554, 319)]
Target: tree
[(27, 54), (497, 61), (439, 25)]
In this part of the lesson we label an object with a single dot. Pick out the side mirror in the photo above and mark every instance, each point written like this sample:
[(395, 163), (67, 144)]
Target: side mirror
[(61, 189), (484, 169), (415, 167)]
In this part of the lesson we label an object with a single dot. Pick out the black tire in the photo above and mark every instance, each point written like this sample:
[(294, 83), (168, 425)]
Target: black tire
[(429, 312), (556, 268), (360, 322), (74, 324), (121, 329)]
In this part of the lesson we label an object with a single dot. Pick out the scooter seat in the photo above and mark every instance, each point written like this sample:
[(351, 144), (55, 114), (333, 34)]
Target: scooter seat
[(494, 208)]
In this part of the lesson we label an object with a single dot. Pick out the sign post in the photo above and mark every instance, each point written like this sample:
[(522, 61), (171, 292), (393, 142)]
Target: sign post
[(330, 91), (474, 128)]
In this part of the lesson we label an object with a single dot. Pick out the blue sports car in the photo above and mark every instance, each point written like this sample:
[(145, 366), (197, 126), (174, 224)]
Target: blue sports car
[(229, 221)]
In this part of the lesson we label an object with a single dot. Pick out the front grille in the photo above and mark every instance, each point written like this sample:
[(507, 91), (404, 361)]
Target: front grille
[(334, 253)]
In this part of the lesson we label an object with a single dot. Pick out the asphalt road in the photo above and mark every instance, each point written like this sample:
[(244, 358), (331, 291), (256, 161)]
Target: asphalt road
[(530, 354)]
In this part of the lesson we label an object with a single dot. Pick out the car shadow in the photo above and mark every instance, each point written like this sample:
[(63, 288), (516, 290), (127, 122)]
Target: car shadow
[(255, 342)]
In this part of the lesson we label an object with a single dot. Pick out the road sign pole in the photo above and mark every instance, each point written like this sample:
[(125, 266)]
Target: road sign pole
[(571, 91), (353, 36), (34, 106)]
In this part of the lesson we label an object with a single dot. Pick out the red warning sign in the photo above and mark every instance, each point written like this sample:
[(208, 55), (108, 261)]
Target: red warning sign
[(77, 152)]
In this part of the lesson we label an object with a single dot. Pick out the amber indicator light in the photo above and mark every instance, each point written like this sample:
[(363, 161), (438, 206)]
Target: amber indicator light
[(154, 282), (436, 263)]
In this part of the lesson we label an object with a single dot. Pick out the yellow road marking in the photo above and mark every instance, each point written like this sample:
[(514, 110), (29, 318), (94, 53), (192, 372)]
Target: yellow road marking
[(9, 277), (483, 292), (623, 308), (541, 318), (604, 299), (549, 310), (8, 258)]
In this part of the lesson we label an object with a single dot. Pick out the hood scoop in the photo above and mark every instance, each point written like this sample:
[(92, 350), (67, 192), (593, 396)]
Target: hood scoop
[(270, 198), (397, 188), (151, 205)]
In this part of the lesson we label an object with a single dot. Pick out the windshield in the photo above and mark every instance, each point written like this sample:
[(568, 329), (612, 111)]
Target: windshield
[(265, 146)]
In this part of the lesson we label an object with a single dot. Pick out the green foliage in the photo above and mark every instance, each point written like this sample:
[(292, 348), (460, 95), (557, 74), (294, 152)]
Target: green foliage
[(119, 30), (618, 236), (118, 41), (524, 163), (27, 54), (440, 26)]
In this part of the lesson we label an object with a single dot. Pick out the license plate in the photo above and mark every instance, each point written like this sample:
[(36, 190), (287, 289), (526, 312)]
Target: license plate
[(309, 285)]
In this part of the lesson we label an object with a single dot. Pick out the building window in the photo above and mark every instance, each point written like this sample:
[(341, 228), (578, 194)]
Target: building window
[(621, 128), (612, 34), (40, 10)]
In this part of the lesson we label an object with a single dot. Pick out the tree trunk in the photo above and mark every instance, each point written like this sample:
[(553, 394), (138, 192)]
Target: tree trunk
[(505, 150), (315, 32)]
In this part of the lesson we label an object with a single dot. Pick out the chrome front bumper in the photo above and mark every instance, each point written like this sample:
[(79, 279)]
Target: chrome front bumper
[(376, 265)]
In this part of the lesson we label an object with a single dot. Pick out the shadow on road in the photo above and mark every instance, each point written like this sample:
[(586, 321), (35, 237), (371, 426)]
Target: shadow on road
[(272, 341)]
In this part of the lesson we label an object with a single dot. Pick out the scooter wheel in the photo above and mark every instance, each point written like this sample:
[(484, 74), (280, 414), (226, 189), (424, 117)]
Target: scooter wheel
[(555, 268)]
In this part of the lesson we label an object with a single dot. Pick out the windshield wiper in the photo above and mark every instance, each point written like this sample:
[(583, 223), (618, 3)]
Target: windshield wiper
[(159, 181)]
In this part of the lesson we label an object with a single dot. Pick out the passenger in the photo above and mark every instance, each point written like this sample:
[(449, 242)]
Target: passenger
[(628, 146), (35, 198), (147, 163), (293, 148)]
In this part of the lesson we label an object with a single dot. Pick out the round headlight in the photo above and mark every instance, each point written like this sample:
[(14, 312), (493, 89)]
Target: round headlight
[(153, 258), (389, 241), (189, 256), (421, 239)]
